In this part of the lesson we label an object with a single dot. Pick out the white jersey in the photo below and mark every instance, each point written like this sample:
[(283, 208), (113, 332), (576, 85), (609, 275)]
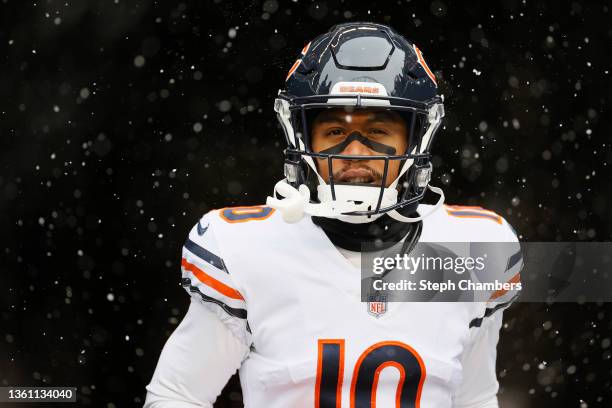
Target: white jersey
[(292, 303)]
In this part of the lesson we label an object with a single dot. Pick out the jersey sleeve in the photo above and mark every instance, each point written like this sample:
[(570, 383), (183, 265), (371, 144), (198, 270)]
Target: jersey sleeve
[(478, 387), (507, 270), (196, 363), (504, 262), (206, 277)]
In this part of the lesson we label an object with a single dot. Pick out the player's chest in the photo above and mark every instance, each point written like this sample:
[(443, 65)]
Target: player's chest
[(311, 328), (320, 293)]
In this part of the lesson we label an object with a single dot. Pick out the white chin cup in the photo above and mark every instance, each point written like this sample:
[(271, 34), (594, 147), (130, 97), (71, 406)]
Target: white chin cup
[(351, 198)]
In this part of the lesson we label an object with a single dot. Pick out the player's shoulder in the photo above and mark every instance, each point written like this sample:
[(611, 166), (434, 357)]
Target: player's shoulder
[(467, 223), (489, 234), (236, 221)]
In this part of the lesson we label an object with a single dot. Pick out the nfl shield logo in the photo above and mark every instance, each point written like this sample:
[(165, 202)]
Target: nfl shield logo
[(377, 305)]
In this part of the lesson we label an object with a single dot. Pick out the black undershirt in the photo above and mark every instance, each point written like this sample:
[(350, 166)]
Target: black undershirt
[(382, 232)]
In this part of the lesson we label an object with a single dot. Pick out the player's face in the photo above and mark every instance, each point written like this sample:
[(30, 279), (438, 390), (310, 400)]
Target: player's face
[(382, 131)]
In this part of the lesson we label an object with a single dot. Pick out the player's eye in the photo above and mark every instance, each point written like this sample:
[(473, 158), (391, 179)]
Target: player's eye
[(334, 132), (378, 131)]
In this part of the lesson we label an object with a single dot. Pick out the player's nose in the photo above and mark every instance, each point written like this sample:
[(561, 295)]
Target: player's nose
[(356, 148)]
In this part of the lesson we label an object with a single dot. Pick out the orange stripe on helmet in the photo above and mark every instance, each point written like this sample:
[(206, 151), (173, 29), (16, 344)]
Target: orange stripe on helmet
[(210, 281), (306, 48), (296, 64), (424, 65)]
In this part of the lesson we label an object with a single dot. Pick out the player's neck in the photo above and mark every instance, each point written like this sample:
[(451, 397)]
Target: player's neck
[(383, 232)]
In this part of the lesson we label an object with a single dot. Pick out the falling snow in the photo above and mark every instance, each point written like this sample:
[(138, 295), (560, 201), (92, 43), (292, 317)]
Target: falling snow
[(123, 122)]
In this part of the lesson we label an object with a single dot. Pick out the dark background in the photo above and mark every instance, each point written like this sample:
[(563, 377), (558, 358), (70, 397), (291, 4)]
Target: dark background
[(122, 122)]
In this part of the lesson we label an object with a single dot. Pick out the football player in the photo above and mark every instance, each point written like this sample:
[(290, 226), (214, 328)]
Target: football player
[(276, 289)]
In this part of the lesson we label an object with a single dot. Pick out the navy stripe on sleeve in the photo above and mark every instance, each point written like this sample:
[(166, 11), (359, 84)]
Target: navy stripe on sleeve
[(477, 322), (205, 255), (514, 259)]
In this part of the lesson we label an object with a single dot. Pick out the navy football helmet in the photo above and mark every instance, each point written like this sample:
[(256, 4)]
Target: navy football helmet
[(357, 66)]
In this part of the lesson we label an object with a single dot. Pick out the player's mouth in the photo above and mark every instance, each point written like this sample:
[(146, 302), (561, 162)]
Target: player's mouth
[(362, 175)]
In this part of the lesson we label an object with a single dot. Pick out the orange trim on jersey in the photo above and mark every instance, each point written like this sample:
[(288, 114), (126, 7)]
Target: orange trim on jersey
[(389, 343), (210, 281), (465, 211), (465, 207), (295, 65), (470, 208), (424, 65), (340, 343), (251, 209), (491, 217), (340, 375), (515, 279), (398, 392), (305, 49)]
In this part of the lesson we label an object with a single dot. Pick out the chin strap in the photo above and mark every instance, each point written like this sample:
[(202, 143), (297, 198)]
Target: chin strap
[(297, 202), (399, 217)]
